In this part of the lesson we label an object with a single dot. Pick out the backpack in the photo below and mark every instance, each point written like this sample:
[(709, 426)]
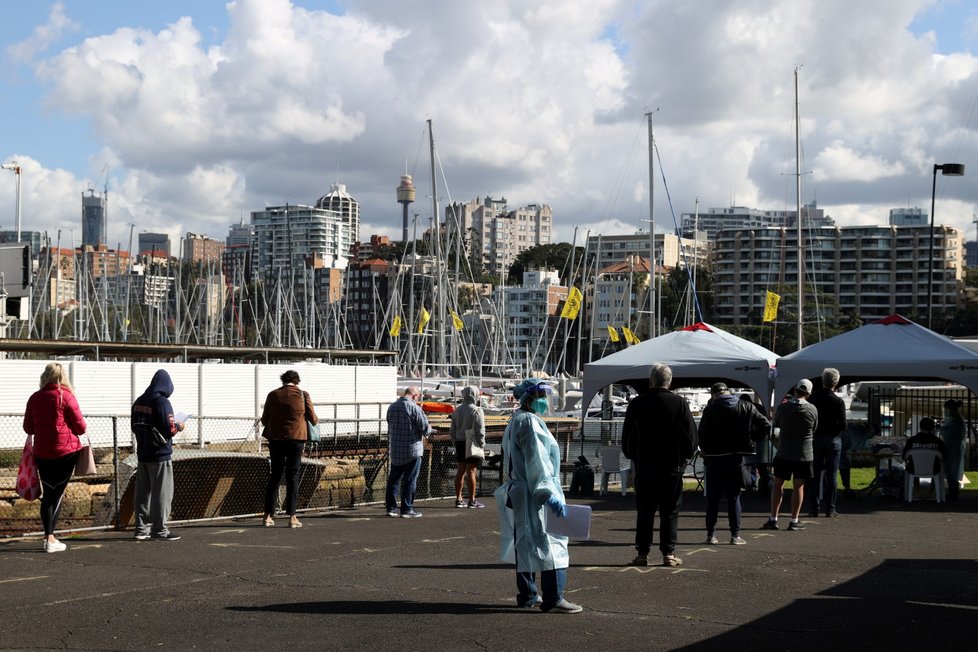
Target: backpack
[(582, 480)]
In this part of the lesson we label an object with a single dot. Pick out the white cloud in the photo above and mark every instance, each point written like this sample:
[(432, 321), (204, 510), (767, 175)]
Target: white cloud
[(44, 36), (531, 101)]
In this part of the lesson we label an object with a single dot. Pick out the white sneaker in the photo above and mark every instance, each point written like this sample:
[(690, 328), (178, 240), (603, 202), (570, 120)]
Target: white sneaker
[(54, 546)]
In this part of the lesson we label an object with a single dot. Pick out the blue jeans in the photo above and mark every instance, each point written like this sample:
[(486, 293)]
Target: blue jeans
[(824, 490), (407, 474), (552, 582), (724, 475)]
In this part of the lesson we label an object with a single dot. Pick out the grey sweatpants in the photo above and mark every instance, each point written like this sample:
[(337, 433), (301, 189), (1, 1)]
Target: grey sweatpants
[(154, 493)]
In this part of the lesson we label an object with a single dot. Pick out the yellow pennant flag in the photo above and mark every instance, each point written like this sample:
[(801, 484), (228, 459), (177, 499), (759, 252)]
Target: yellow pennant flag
[(771, 306), (425, 318), (572, 305), (630, 337), (396, 326), (456, 321), (613, 334)]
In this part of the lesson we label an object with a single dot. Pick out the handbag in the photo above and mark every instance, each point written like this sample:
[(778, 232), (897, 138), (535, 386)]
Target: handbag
[(28, 482), (312, 431), (471, 450), (85, 464)]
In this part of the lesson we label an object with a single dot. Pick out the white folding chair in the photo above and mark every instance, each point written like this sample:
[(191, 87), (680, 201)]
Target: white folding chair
[(923, 467), (611, 462)]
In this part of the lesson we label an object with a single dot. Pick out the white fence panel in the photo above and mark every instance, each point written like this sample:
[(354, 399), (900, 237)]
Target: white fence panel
[(103, 388), (18, 380)]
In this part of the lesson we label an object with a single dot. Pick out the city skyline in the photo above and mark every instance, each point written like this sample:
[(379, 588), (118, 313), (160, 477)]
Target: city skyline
[(546, 107)]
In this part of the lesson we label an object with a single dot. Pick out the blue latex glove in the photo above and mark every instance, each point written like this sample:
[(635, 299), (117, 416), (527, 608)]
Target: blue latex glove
[(557, 506)]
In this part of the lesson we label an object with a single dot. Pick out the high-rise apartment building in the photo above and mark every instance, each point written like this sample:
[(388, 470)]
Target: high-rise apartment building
[(239, 234), (737, 217), (908, 217), (287, 237), (156, 245), (670, 251), (867, 271), (494, 235), (339, 201), (201, 249), (368, 284), (532, 318), (94, 216), (619, 292)]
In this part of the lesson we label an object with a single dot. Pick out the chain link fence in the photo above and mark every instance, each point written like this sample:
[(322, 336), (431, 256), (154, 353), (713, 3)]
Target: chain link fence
[(221, 466)]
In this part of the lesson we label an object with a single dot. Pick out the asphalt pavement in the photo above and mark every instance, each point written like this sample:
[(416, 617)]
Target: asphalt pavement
[(884, 575)]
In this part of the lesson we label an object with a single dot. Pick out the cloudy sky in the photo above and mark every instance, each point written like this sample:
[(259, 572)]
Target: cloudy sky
[(197, 112)]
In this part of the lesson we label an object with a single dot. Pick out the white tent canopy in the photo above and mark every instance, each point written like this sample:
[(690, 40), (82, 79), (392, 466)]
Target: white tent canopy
[(893, 348), (699, 356)]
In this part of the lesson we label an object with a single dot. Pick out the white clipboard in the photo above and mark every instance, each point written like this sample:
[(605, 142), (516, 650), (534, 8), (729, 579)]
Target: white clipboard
[(575, 525)]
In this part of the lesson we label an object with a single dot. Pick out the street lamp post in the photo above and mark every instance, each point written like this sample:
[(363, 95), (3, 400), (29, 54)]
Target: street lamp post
[(15, 168), (947, 170)]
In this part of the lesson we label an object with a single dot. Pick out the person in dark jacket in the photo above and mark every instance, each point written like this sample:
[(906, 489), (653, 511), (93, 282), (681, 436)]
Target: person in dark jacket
[(153, 425), (822, 489), (286, 411), (725, 437), (659, 436), (925, 439)]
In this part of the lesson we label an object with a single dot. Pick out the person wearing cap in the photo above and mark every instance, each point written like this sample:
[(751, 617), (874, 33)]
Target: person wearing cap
[(659, 436), (532, 487), (797, 419), (952, 431), (725, 436), (822, 489)]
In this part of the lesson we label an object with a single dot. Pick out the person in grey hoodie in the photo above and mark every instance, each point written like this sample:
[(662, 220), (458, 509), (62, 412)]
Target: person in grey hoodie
[(153, 425), (468, 431)]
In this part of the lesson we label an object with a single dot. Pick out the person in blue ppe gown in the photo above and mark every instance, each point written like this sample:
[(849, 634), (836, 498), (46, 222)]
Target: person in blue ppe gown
[(532, 460), (954, 434)]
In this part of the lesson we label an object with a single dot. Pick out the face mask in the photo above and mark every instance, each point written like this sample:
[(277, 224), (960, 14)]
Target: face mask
[(540, 406)]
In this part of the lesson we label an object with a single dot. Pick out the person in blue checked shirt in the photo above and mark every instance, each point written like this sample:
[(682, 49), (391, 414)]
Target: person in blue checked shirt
[(407, 427)]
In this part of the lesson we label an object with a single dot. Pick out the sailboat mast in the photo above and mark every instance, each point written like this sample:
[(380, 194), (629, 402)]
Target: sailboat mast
[(438, 311), (801, 247), (652, 311)]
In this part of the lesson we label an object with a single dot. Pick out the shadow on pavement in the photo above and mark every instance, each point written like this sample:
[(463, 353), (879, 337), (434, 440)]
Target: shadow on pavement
[(898, 604)]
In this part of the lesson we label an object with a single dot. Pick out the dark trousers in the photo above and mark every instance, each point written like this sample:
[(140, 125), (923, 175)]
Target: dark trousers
[(55, 475), (551, 581), (822, 487), (284, 454), (724, 477), (662, 492)]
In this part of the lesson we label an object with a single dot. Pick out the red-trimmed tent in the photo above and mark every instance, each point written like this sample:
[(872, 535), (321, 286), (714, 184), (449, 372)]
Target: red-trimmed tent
[(699, 356), (893, 348)]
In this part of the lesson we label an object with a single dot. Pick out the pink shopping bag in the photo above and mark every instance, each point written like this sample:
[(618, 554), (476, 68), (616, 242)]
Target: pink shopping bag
[(28, 482)]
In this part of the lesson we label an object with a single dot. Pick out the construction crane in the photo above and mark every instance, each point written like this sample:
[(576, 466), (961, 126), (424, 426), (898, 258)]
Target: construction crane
[(104, 172)]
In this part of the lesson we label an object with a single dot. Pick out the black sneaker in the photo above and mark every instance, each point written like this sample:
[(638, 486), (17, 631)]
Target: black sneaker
[(770, 525), (795, 525), (169, 536)]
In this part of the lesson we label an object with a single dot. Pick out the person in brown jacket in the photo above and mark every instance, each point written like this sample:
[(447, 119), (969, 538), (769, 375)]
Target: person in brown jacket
[(284, 416)]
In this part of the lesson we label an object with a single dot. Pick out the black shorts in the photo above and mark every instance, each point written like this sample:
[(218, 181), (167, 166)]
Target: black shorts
[(460, 455), (788, 469)]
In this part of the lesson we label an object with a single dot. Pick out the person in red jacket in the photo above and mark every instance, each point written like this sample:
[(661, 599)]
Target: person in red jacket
[(54, 418)]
